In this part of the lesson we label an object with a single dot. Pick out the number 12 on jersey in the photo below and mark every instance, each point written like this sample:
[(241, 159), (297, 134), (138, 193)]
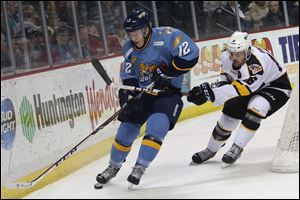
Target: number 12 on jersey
[(184, 49)]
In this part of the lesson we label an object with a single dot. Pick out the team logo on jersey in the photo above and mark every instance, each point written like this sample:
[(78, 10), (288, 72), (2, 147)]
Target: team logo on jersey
[(256, 69), (133, 59), (146, 69), (146, 72), (177, 41)]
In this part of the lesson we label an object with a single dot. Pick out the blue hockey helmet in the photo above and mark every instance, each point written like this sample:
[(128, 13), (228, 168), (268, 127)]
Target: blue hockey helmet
[(137, 19)]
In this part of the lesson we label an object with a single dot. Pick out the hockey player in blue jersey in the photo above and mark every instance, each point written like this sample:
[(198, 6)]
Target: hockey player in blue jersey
[(160, 55)]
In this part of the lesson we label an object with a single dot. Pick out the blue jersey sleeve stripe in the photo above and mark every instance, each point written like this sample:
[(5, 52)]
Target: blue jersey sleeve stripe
[(178, 68), (128, 53), (184, 65)]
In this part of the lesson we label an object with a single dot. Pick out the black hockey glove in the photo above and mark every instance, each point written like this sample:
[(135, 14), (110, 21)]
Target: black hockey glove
[(201, 94), (221, 83), (161, 81), (128, 103)]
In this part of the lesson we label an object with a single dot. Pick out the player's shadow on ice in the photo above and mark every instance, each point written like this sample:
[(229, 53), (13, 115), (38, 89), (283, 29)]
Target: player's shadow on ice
[(240, 172), (209, 172)]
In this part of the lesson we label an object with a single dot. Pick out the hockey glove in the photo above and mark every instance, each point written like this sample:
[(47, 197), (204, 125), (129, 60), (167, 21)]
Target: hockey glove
[(162, 81), (201, 94), (221, 83), (128, 103)]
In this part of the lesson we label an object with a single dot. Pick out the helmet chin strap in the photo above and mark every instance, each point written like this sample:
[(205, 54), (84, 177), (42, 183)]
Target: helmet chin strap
[(248, 53), (247, 56), (145, 30)]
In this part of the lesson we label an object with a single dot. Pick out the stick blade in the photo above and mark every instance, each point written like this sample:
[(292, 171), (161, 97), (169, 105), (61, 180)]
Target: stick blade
[(100, 69)]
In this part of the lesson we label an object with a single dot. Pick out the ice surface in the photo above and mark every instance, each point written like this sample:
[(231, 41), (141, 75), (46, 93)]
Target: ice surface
[(170, 175)]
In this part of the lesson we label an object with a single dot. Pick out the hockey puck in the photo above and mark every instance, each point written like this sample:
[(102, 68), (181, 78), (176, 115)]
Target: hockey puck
[(98, 186)]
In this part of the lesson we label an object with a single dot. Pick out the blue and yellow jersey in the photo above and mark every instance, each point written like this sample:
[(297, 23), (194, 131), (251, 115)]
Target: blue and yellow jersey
[(167, 47)]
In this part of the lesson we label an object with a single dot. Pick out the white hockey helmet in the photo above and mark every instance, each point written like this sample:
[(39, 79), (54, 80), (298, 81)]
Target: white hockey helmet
[(238, 42)]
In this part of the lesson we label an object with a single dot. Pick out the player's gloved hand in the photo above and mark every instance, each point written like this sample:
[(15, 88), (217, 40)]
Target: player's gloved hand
[(201, 94), (133, 106), (161, 81), (221, 83), (128, 103)]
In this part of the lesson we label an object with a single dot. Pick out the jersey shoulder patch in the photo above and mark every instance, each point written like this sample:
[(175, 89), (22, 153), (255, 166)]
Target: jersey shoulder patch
[(255, 69), (254, 66)]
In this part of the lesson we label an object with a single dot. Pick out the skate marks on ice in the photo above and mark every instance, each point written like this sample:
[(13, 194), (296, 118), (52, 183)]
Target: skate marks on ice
[(170, 176)]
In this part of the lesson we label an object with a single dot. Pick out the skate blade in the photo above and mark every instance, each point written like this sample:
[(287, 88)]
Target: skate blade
[(131, 187), (192, 163), (226, 165)]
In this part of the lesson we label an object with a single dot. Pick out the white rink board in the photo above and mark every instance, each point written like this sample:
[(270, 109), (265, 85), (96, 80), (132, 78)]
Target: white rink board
[(34, 148)]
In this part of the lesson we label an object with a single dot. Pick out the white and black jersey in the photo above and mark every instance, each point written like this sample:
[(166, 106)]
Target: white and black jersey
[(260, 71)]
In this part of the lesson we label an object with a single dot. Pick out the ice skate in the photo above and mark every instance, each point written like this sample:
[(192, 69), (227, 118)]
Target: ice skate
[(135, 176), (231, 156), (109, 173), (202, 156)]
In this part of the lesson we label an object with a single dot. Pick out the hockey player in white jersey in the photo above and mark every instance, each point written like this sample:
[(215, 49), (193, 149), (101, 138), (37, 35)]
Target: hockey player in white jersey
[(253, 86)]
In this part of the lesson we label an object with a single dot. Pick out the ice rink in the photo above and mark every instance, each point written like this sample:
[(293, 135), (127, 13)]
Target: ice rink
[(170, 175)]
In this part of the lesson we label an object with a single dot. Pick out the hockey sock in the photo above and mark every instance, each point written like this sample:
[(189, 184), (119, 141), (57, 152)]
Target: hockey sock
[(118, 153), (218, 138), (148, 151), (222, 132), (243, 136), (250, 124), (157, 128), (126, 134)]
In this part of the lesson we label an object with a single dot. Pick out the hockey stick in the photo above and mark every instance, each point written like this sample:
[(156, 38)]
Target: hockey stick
[(100, 69), (29, 184), (18, 185)]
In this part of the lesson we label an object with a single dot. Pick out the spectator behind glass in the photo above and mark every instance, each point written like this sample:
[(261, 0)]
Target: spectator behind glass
[(52, 18), (113, 42), (258, 10), (28, 26), (246, 19), (38, 50), (111, 16), (275, 17), (211, 10), (5, 60), (19, 51), (84, 39), (95, 42), (62, 49), (96, 45), (227, 17), (12, 14), (29, 14), (113, 25), (64, 12), (20, 44), (295, 14), (210, 6)]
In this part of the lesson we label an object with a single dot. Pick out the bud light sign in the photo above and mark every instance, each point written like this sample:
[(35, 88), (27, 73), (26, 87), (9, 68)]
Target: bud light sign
[(8, 124)]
